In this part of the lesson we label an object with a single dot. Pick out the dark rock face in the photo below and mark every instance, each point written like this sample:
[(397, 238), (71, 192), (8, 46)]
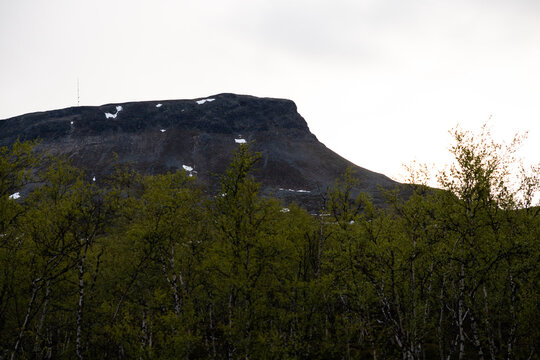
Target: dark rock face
[(161, 136)]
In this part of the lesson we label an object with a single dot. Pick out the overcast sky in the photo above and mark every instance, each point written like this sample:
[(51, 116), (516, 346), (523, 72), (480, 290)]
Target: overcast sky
[(378, 81)]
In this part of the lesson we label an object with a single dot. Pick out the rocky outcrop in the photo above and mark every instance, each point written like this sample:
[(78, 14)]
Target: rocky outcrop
[(198, 136)]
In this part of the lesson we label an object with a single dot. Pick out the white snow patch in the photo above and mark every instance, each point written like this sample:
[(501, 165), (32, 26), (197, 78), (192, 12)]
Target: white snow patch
[(162, 130), (187, 168), (15, 196), (297, 191), (200, 102), (285, 210), (94, 178), (240, 141), (71, 122), (113, 116), (159, 105)]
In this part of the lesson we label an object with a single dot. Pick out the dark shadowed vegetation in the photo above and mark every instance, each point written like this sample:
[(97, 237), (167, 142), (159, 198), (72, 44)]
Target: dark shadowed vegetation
[(152, 267)]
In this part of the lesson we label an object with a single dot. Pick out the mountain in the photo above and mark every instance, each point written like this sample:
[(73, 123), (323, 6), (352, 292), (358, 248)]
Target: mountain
[(198, 136)]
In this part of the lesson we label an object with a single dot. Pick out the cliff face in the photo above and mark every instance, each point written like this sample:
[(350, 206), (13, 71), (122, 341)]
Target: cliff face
[(198, 136)]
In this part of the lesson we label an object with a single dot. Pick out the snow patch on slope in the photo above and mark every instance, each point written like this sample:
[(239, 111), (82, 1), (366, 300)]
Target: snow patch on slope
[(113, 116), (15, 196), (296, 191), (200, 102)]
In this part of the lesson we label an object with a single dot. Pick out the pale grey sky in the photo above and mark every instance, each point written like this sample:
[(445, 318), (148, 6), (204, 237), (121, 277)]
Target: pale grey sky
[(379, 81)]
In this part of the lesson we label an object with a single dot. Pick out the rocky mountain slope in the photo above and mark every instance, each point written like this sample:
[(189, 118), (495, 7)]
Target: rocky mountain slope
[(198, 136)]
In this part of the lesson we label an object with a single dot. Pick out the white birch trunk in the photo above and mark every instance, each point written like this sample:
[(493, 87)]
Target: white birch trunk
[(26, 318), (80, 305)]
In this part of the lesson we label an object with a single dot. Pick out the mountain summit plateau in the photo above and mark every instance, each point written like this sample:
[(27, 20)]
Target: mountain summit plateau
[(198, 136)]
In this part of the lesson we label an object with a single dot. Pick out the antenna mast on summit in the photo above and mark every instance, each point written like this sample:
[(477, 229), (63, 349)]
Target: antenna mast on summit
[(78, 98)]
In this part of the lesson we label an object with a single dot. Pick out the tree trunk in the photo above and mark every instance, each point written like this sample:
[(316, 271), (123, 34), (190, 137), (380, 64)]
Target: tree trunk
[(461, 313), (441, 317), (213, 337), (26, 318), (512, 333), (230, 306), (476, 338), (80, 304), (37, 342), (488, 325)]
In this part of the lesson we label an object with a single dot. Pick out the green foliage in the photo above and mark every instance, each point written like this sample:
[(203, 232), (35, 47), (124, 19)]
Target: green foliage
[(154, 268)]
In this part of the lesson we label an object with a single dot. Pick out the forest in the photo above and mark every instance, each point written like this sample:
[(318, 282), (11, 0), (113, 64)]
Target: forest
[(153, 267)]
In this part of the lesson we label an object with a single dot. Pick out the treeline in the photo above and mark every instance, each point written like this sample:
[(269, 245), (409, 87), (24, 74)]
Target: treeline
[(150, 267)]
